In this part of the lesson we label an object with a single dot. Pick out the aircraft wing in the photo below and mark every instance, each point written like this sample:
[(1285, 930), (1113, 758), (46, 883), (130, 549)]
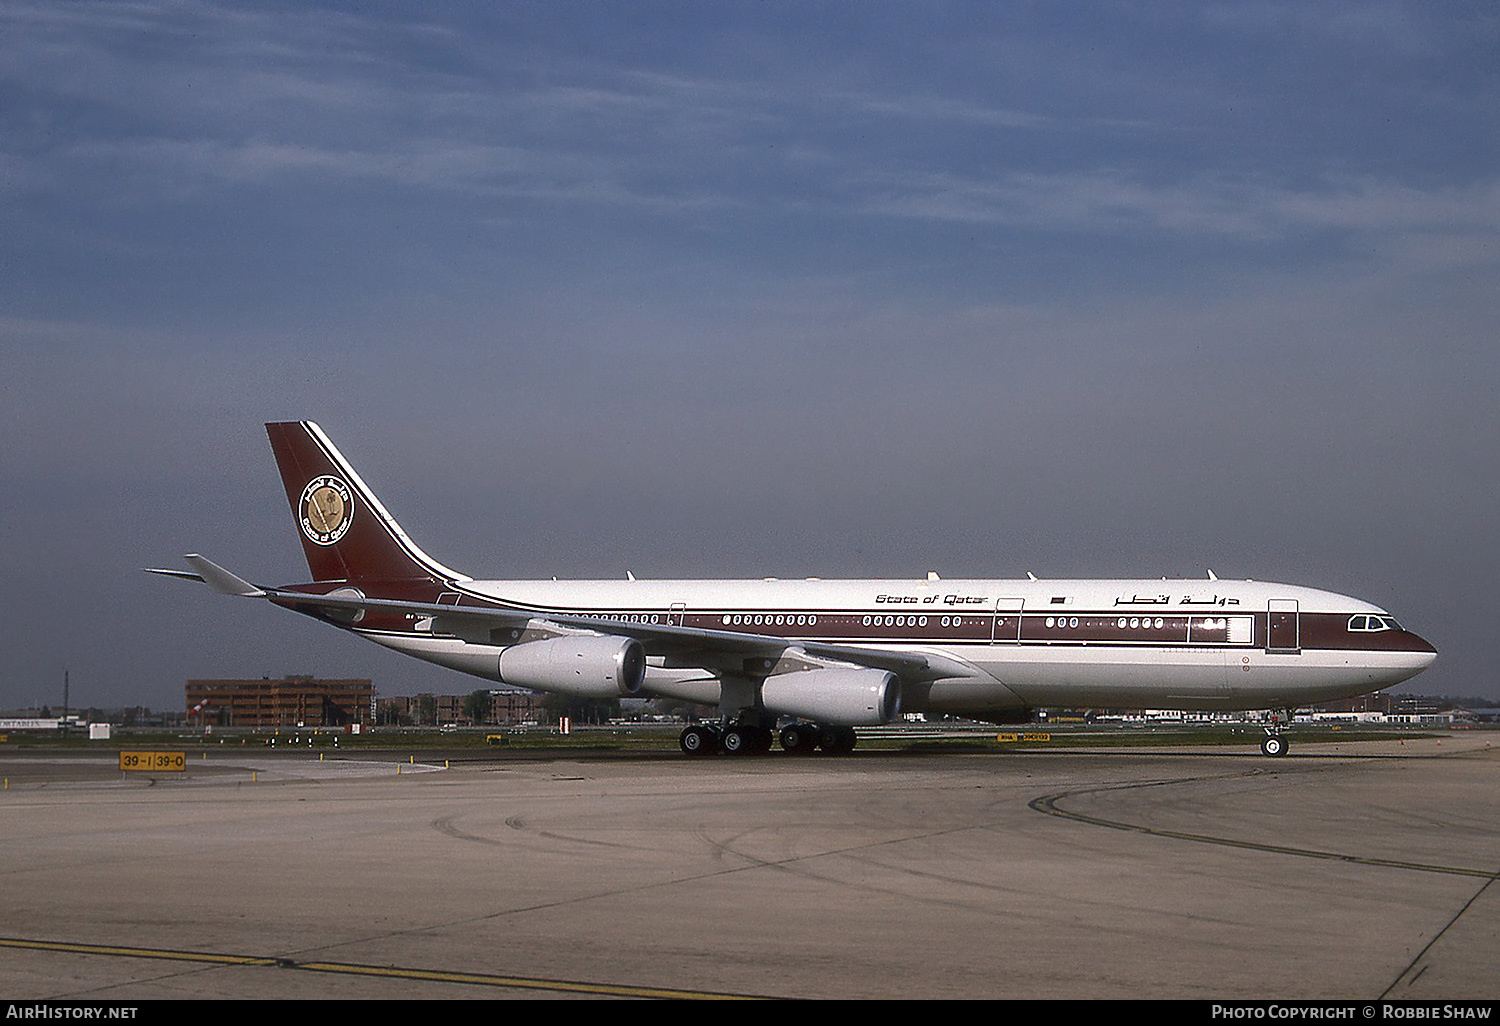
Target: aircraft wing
[(686, 646)]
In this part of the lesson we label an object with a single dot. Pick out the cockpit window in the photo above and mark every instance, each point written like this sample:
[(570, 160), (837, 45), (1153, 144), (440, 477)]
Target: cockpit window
[(1373, 623)]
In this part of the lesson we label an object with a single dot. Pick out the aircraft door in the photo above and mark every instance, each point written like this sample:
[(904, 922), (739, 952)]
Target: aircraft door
[(1008, 619), (1283, 626), (674, 617)]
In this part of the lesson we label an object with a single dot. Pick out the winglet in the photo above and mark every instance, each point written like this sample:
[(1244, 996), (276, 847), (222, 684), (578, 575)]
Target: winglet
[(221, 580)]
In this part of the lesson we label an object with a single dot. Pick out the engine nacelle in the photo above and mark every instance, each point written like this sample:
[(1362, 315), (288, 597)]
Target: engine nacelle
[(844, 698), (582, 665)]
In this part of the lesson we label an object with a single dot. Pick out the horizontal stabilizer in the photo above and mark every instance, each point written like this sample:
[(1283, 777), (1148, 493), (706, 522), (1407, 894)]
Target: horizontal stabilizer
[(221, 580), (186, 575)]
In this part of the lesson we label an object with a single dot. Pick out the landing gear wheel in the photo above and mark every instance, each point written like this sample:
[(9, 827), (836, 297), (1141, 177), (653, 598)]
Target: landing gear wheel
[(698, 740), (838, 740), (799, 739), (738, 741), (1274, 745)]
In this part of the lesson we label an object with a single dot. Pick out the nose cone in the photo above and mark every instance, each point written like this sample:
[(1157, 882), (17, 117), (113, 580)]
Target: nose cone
[(1415, 655), (1419, 645), (1424, 649)]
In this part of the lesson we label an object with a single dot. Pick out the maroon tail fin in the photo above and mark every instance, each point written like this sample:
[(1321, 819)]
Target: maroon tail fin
[(346, 533)]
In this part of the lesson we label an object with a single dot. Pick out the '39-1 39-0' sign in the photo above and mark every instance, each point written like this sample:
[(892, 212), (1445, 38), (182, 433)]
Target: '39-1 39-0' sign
[(154, 762)]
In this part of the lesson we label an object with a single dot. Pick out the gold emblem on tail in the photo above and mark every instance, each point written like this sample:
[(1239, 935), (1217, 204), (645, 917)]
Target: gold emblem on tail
[(326, 510)]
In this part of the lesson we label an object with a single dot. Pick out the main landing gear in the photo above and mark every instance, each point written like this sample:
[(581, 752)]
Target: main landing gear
[(735, 739), (747, 739), (829, 740)]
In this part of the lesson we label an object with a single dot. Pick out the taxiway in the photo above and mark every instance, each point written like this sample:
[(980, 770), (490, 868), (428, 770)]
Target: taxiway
[(1352, 871)]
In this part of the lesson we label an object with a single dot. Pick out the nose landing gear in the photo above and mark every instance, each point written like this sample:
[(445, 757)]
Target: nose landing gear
[(1274, 744)]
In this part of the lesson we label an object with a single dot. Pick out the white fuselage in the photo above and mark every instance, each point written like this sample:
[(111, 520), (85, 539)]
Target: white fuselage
[(1199, 644)]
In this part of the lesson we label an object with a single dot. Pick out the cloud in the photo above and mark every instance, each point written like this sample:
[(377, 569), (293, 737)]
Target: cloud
[(690, 283), (1252, 209)]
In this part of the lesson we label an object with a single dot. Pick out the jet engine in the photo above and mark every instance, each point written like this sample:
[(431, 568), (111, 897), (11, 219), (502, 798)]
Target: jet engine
[(582, 665), (846, 698)]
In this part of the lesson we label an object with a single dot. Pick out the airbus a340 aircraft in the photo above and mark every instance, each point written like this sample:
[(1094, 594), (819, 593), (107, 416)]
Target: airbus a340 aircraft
[(822, 657)]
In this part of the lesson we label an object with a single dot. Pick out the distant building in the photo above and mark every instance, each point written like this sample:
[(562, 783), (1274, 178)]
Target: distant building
[(1376, 702), (1422, 719), (280, 702), (516, 707), (428, 710)]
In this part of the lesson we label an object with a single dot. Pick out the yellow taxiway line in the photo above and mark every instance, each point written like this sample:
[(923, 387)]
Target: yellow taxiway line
[(388, 972)]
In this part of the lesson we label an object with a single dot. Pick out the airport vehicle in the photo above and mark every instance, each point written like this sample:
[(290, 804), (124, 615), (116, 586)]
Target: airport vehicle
[(824, 656)]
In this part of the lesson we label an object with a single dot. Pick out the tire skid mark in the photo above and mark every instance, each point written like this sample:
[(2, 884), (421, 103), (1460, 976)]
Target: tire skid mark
[(1050, 805), (797, 866), (444, 824)]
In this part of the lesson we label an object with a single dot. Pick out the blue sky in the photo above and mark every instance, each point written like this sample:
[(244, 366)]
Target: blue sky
[(742, 290)]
